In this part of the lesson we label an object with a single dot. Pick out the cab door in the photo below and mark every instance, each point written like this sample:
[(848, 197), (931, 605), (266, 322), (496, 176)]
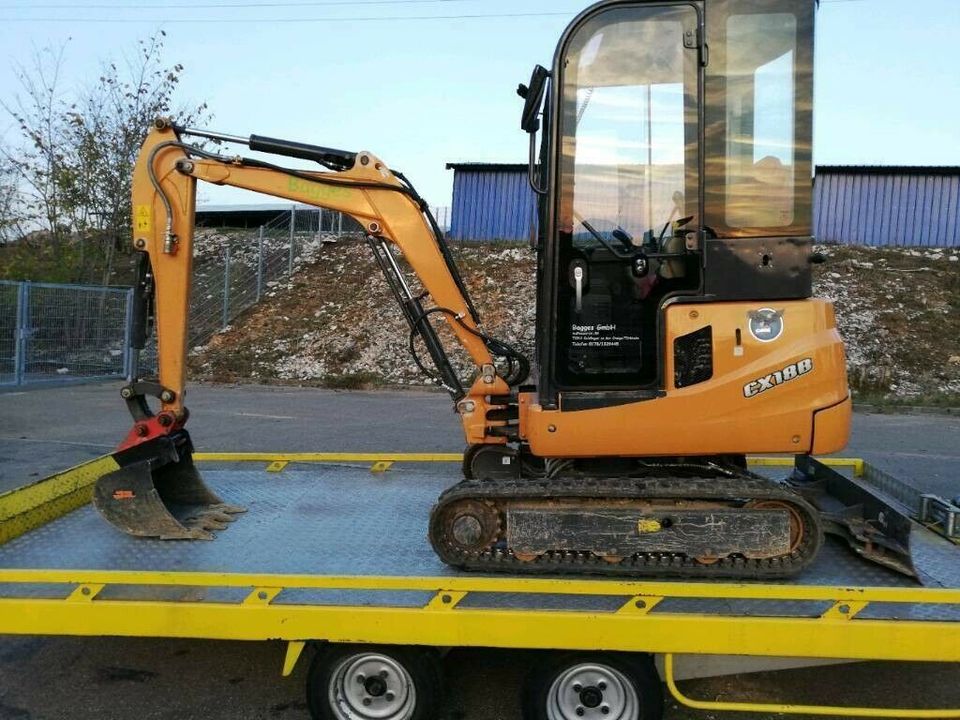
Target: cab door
[(625, 179)]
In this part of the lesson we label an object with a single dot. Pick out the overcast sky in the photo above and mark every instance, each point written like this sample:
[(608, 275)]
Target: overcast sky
[(425, 82)]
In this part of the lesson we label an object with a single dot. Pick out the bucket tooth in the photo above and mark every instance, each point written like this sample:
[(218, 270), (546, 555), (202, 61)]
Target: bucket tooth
[(216, 517), (228, 510), (211, 525), (158, 493)]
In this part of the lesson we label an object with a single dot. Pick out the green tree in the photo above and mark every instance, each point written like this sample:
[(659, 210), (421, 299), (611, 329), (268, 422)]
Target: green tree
[(77, 152), (11, 208)]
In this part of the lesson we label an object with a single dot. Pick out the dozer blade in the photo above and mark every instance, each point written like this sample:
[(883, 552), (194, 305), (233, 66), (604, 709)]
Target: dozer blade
[(158, 493), (884, 520)]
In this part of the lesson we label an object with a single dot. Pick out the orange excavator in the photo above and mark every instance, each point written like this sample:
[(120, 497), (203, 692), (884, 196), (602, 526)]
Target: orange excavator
[(676, 331)]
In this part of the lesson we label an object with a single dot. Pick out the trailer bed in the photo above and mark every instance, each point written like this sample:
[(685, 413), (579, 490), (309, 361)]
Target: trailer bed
[(336, 552)]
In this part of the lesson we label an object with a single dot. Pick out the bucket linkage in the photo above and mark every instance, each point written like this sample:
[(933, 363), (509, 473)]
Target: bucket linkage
[(157, 491)]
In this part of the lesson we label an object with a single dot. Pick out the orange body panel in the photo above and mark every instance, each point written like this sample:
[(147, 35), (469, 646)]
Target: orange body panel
[(831, 428), (728, 413)]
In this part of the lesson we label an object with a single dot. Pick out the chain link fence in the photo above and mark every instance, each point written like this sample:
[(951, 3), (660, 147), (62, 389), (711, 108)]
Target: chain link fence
[(58, 333), (75, 332), (9, 331), (235, 269)]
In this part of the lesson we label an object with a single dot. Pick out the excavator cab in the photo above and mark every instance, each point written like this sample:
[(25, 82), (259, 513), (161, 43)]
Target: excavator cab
[(675, 166)]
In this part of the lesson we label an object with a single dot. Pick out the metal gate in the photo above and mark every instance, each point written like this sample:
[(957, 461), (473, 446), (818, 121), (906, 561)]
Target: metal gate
[(9, 332), (62, 333)]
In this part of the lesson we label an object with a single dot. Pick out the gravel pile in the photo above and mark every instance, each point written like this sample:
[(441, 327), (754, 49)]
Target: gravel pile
[(335, 323)]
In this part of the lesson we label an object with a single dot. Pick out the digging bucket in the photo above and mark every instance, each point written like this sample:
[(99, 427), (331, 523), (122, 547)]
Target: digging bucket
[(158, 493)]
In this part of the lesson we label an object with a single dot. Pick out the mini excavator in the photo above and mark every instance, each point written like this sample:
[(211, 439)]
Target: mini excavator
[(676, 328)]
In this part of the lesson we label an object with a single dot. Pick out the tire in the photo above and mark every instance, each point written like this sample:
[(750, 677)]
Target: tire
[(401, 683), (571, 686)]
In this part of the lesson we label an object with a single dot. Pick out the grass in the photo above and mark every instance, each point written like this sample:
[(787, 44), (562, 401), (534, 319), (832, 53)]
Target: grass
[(351, 381), (882, 400)]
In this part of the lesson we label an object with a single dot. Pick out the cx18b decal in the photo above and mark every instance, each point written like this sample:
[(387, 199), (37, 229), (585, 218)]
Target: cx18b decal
[(769, 382)]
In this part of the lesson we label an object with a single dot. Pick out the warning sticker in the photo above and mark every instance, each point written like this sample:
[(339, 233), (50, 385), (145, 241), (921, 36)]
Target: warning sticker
[(143, 218)]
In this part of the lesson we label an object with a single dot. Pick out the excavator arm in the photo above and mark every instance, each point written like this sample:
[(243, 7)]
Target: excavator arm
[(142, 498)]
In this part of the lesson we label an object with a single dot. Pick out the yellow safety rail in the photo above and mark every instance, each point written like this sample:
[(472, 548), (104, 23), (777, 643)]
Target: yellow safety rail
[(380, 462), (326, 457), (639, 624), (787, 709), (31, 506)]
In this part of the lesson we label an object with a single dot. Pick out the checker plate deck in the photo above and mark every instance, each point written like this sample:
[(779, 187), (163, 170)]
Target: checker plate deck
[(334, 520)]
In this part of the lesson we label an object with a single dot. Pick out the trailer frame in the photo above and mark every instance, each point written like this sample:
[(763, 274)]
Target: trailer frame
[(638, 624)]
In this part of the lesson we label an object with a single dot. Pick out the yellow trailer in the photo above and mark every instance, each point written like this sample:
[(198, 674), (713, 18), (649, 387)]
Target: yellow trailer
[(333, 553)]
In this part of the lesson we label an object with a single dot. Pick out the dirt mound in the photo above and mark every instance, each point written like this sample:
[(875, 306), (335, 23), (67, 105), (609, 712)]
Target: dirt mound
[(335, 324), (899, 313)]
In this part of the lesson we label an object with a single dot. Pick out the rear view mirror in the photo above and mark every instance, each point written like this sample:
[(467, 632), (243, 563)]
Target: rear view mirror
[(533, 96)]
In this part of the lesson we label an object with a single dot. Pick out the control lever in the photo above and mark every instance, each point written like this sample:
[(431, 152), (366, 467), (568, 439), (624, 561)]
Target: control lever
[(579, 281), (624, 238)]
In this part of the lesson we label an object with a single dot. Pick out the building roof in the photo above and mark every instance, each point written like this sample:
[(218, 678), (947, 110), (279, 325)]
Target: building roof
[(488, 167), (478, 167), (888, 169)]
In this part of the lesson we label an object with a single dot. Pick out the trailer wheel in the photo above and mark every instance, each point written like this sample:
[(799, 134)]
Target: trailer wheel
[(607, 686), (368, 682)]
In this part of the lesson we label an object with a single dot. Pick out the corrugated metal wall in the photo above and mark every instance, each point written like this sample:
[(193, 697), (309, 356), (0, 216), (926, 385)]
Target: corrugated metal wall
[(490, 206), (915, 207), (884, 207)]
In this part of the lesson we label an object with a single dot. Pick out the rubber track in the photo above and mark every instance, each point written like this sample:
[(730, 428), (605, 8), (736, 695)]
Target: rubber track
[(737, 490)]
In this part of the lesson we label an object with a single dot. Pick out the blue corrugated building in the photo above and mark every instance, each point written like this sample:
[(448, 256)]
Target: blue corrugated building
[(491, 202), (854, 205), (888, 206)]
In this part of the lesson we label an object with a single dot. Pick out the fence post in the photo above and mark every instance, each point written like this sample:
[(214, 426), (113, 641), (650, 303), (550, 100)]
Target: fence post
[(128, 351), (260, 264), (293, 225), (20, 339), (226, 290)]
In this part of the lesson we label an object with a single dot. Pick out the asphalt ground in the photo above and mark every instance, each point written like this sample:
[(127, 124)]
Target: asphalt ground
[(42, 431)]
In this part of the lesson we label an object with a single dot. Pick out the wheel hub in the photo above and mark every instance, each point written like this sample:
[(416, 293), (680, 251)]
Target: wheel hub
[(592, 690), (375, 687), (591, 697), (467, 530), (370, 686)]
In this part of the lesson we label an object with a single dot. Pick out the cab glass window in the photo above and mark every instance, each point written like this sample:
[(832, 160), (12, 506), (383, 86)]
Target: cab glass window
[(758, 178), (629, 124), (760, 172), (628, 161)]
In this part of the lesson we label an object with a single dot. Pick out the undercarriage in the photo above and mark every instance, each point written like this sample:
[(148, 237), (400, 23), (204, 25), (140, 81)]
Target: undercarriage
[(692, 517)]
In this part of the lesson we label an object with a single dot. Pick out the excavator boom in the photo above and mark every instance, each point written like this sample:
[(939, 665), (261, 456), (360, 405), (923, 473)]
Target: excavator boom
[(158, 492)]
